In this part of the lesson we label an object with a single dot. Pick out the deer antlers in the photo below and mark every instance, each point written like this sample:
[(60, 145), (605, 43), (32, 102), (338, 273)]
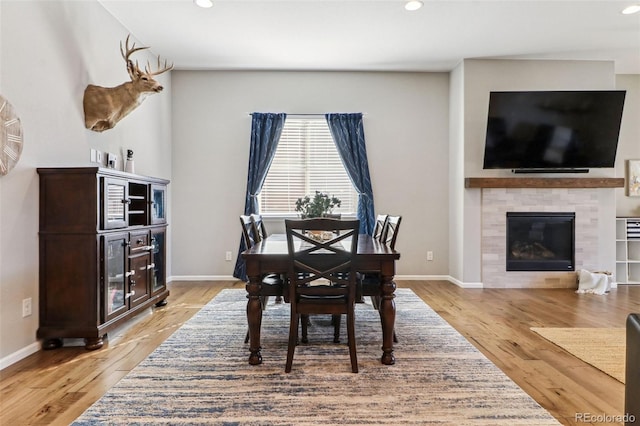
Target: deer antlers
[(165, 67), (135, 68)]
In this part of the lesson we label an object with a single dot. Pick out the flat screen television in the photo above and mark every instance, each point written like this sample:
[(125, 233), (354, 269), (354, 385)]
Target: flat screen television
[(552, 131)]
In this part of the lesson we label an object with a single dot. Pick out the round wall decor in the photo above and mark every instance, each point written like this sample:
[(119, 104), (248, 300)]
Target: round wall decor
[(10, 137)]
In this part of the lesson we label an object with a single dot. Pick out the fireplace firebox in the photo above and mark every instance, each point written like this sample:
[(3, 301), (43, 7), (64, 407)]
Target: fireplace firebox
[(540, 241)]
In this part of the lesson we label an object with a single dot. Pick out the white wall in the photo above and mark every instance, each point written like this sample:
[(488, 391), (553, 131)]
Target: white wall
[(49, 52), (456, 172), (629, 145), (483, 76), (406, 130)]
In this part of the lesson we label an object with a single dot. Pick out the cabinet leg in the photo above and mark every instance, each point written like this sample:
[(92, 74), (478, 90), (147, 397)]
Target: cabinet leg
[(93, 343), (161, 303), (52, 344)]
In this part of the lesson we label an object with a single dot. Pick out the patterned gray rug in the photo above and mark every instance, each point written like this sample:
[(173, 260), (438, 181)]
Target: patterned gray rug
[(200, 375)]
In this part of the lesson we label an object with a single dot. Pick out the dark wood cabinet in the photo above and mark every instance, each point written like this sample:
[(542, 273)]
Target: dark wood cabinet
[(102, 251)]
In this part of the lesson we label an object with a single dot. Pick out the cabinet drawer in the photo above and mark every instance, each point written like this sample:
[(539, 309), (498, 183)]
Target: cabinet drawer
[(140, 242)]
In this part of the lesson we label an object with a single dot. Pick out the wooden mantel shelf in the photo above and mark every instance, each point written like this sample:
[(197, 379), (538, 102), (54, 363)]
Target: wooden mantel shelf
[(528, 182)]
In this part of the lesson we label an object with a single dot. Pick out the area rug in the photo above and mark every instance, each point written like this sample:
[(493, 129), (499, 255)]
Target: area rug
[(200, 375), (603, 348)]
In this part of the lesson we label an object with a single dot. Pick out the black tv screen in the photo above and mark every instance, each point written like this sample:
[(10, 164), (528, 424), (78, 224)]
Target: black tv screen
[(553, 129)]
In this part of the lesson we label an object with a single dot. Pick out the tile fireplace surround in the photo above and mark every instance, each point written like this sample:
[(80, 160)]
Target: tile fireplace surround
[(502, 195)]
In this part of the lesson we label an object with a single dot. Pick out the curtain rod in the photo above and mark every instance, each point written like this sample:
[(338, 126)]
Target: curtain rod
[(319, 114)]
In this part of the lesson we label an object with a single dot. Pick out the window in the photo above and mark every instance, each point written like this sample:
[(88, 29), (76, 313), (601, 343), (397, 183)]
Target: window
[(306, 161)]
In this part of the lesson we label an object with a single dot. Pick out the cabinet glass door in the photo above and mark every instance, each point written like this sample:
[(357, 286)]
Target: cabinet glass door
[(114, 203), (157, 260), (158, 204), (115, 274), (140, 265)]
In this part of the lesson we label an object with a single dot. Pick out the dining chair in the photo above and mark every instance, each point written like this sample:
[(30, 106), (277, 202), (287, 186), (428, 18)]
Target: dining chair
[(322, 275), (248, 234), (271, 284), (369, 284), (378, 229), (258, 227), (260, 233), (390, 231)]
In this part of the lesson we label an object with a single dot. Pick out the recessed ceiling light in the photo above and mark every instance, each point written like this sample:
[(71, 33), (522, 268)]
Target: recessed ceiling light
[(413, 5), (203, 3), (631, 9)]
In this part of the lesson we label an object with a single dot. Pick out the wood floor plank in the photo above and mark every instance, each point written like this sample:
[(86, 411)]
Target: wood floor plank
[(55, 387)]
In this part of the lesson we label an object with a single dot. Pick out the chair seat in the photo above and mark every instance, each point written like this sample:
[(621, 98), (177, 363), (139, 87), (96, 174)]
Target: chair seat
[(272, 279), (321, 299), (368, 285), (272, 285)]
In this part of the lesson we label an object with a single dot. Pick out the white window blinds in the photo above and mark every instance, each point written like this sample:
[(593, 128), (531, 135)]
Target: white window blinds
[(306, 161)]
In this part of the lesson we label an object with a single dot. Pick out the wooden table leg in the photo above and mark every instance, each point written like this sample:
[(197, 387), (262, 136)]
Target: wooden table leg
[(254, 319), (388, 318)]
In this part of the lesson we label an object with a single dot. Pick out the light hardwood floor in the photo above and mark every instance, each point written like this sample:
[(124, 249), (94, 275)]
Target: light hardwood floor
[(54, 387)]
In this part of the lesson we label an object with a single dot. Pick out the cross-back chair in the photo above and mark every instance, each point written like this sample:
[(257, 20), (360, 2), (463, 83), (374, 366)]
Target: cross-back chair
[(271, 284), (322, 275), (369, 284), (378, 229), (248, 234), (258, 227), (390, 231), (260, 233)]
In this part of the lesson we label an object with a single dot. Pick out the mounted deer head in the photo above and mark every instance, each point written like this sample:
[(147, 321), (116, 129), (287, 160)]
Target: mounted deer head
[(105, 106)]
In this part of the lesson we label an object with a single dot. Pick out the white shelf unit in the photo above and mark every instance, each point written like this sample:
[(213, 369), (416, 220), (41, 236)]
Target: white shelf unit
[(628, 250)]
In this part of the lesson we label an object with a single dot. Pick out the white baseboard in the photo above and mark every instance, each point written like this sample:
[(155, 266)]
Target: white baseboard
[(438, 278), (19, 355), (421, 278), (465, 285)]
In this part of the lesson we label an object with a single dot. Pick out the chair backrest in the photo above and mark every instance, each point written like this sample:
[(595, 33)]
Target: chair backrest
[(314, 259), (378, 229), (390, 233), (248, 234), (258, 227), (334, 216)]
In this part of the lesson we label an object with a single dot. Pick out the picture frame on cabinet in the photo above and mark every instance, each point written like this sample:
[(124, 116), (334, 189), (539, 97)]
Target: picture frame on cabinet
[(633, 178)]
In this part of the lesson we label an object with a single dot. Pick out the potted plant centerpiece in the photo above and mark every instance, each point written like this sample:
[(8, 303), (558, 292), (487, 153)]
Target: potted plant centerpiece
[(318, 205)]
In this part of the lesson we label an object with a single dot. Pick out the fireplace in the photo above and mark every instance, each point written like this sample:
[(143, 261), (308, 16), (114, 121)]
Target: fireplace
[(540, 241)]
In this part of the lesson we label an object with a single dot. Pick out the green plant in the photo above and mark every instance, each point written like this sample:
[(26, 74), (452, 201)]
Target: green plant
[(317, 206)]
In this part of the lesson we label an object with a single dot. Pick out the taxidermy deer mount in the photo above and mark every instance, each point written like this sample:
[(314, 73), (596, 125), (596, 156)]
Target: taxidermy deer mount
[(105, 106)]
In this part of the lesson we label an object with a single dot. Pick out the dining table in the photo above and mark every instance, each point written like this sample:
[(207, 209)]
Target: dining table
[(271, 255)]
